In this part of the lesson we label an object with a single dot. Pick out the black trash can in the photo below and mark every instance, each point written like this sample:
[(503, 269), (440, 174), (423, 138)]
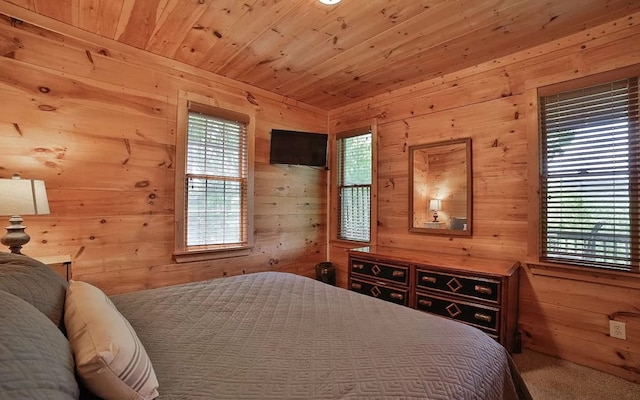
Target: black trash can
[(326, 272)]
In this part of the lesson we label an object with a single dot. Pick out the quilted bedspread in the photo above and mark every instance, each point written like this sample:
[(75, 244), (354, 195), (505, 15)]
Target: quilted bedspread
[(281, 336)]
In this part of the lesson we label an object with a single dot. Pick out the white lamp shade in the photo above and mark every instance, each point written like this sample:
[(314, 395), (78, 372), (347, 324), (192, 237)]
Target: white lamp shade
[(434, 204), (330, 2), (23, 197)]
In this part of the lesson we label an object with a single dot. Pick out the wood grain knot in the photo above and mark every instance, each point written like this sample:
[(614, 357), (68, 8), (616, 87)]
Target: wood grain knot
[(251, 99)]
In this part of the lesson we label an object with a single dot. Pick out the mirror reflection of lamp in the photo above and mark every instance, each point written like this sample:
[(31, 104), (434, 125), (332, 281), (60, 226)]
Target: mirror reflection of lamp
[(435, 205)]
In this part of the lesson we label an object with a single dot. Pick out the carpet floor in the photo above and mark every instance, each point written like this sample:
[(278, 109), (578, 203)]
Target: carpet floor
[(550, 378)]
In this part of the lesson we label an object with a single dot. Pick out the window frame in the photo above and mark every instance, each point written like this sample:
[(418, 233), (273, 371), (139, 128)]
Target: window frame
[(220, 109), (534, 90), (335, 205)]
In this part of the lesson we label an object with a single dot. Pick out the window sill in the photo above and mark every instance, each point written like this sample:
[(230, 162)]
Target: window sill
[(585, 274), (348, 244), (210, 254)]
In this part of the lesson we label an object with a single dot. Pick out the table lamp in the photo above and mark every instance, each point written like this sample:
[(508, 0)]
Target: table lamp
[(21, 197), (434, 205)]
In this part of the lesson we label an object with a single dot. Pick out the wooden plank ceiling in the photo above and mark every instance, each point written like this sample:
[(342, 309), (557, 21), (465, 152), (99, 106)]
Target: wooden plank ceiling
[(329, 56)]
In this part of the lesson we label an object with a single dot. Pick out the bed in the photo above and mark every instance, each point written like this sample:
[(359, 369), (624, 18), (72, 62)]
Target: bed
[(271, 335)]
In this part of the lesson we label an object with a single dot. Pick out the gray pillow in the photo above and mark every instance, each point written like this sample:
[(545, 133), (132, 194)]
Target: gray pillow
[(35, 283), (35, 358)]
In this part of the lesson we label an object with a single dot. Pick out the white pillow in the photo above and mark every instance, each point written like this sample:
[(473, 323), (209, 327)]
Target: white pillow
[(110, 359)]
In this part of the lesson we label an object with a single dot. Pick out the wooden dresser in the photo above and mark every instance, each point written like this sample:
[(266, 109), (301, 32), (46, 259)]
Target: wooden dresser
[(476, 291)]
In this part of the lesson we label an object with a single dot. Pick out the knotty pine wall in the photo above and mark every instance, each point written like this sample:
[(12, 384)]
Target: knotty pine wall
[(96, 120), (560, 314)]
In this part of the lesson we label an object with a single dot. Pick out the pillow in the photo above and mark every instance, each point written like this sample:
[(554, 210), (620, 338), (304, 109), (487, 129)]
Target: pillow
[(35, 357), (35, 283), (110, 359)]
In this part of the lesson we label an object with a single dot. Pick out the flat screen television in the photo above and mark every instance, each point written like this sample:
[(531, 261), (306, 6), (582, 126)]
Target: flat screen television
[(298, 148)]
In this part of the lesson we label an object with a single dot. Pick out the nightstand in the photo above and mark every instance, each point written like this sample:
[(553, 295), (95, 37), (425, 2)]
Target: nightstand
[(60, 263), (435, 225)]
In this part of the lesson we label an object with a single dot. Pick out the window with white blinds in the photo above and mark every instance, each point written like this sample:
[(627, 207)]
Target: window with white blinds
[(590, 188), (354, 187), (215, 181)]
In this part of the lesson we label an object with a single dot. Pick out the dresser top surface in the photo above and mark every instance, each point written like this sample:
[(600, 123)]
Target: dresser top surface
[(461, 263)]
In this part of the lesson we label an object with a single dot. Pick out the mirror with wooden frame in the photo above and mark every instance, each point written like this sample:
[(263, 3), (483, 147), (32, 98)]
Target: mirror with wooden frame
[(440, 192)]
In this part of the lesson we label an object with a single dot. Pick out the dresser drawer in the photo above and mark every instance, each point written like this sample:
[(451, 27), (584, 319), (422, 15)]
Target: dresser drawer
[(380, 291), (486, 318), (473, 287), (393, 273)]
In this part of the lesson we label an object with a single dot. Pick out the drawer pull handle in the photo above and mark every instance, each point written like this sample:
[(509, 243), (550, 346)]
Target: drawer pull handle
[(397, 274), (482, 317), (423, 302), (429, 279), (358, 266), (483, 289), (356, 286), (396, 296)]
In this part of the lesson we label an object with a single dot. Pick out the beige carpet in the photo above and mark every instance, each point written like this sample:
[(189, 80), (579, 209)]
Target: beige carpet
[(550, 378)]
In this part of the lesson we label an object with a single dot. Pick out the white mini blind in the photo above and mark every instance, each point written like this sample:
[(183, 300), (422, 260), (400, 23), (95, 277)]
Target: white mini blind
[(354, 187), (590, 178), (216, 181)]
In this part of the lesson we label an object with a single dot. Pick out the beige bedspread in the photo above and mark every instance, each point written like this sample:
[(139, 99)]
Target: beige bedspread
[(281, 336)]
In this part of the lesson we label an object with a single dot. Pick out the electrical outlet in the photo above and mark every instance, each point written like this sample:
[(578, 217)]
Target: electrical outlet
[(617, 329)]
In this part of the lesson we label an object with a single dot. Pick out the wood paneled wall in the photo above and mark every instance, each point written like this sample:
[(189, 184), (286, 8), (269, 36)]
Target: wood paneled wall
[(96, 120), (563, 315)]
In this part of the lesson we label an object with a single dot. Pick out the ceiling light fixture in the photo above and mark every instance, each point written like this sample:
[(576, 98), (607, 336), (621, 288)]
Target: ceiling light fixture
[(330, 2)]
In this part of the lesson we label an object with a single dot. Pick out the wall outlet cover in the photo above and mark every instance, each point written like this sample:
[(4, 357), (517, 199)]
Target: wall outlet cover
[(617, 329)]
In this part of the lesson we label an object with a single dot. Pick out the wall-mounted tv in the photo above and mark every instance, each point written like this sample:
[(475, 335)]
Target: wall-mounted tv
[(298, 148)]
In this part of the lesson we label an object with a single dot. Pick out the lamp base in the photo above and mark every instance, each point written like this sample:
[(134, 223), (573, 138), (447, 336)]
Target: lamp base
[(16, 237), (435, 216)]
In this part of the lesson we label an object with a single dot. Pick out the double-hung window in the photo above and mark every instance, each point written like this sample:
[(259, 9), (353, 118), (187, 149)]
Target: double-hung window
[(590, 183), (354, 177), (215, 186)]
